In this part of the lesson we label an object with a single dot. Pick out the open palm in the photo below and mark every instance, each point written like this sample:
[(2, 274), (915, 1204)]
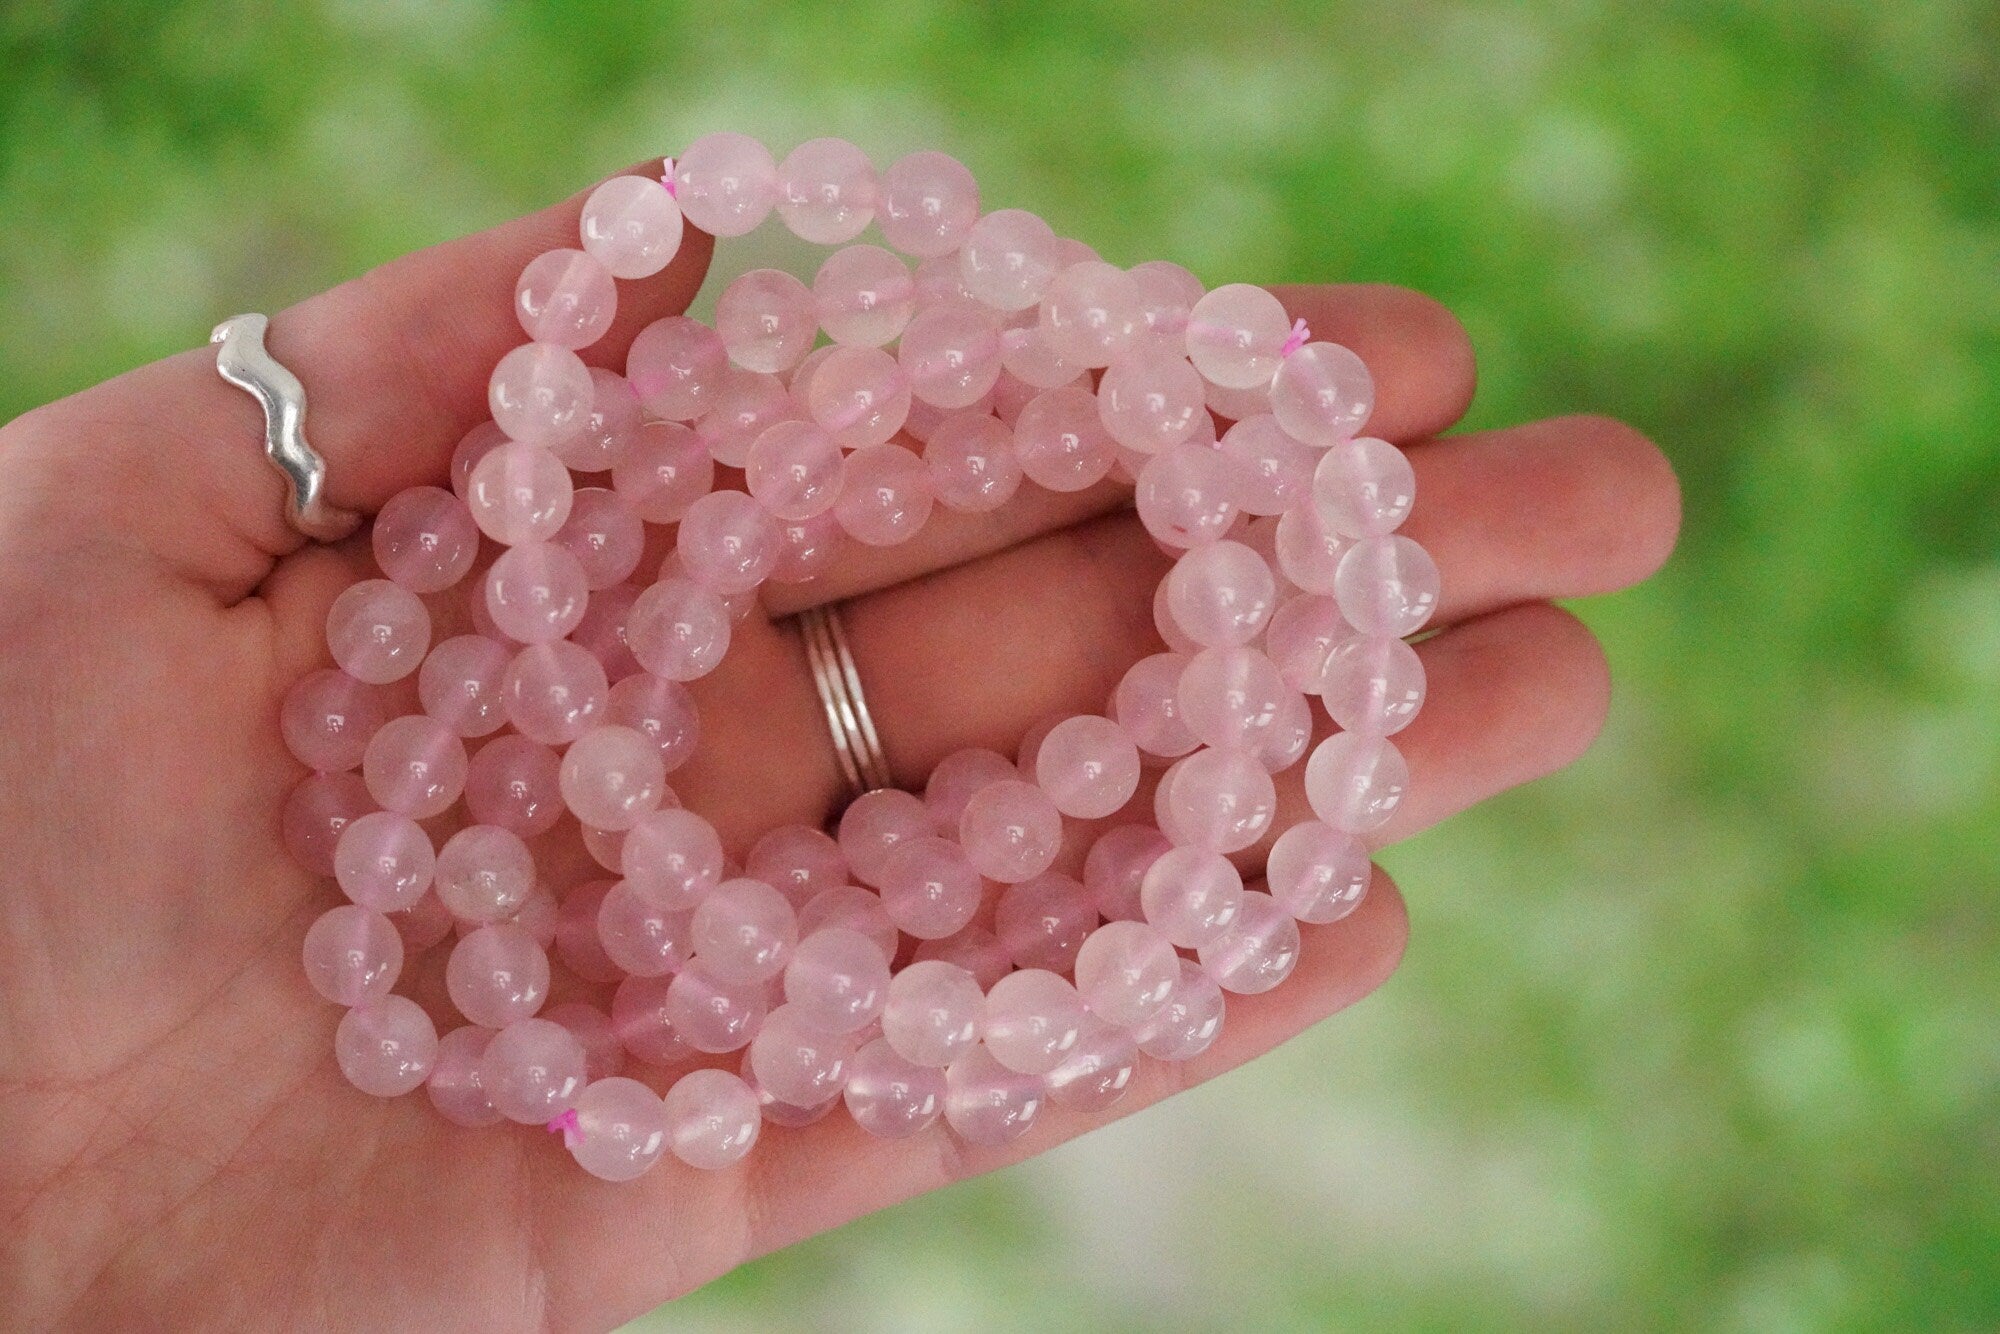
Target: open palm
[(182, 1150)]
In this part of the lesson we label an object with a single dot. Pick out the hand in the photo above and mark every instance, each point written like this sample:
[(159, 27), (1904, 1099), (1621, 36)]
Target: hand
[(182, 1149)]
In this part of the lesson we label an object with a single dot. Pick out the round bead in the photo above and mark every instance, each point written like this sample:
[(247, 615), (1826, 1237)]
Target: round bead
[(415, 765), (798, 861), (424, 539), (1091, 313), (459, 684), (767, 320), (1221, 594), (806, 549), (453, 1083), (317, 814), (378, 631), (676, 365), (1356, 782), (1030, 359), (1168, 293), (860, 395), (889, 1095), (712, 1118), (1322, 394), (639, 1018), (930, 888), (797, 1062), (352, 954), (1318, 874), (1099, 1071), (932, 1012), (873, 824), (826, 191), (532, 1071), (676, 854), (726, 183), (386, 1047), (1147, 705), (497, 974), (1032, 1021), (956, 777), (928, 205), (712, 1015), (423, 925), (565, 297), (328, 718), (554, 693), (885, 495), (971, 462), (539, 393), (1386, 586), (1126, 972), (678, 630), (1232, 698), (1301, 635), (1283, 743), (864, 296), (837, 980), (1364, 488), (1191, 895), (987, 1104), (1185, 495), (642, 932), (605, 536), (1116, 865), (632, 226), (1009, 258), (1010, 831), (974, 949), (851, 908), (951, 355), (473, 446), (515, 783), (576, 942), (744, 930), (1309, 553), (1372, 685), (1235, 333), (608, 432), (727, 543), (1188, 1024), (536, 593), (664, 469), (611, 776), (1258, 951), (384, 861), (1088, 766), (1043, 921), (621, 1129), (484, 873), (1272, 471), (1061, 442), (794, 470), (1216, 799), (1150, 398)]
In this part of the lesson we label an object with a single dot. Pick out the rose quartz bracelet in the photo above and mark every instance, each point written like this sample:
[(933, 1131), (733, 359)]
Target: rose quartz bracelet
[(858, 966)]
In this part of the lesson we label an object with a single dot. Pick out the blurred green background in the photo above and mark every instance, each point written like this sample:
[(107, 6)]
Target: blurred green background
[(1703, 1033)]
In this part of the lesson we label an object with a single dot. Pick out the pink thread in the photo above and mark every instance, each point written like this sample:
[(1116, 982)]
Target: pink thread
[(1296, 339), (667, 176), (568, 1127)]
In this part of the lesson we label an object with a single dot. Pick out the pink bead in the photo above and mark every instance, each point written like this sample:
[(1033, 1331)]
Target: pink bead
[(384, 861), (1168, 293), (606, 846), (459, 684), (873, 824), (929, 887), (1188, 1024), (378, 631), (1256, 953), (744, 931), (621, 1129), (639, 1018), (1322, 394), (317, 813), (712, 1015), (1031, 360), (415, 765), (712, 1118), (806, 549), (576, 943), (678, 630), (1042, 922), (837, 980), (453, 1083), (1318, 874), (747, 404), (860, 395), (642, 931), (726, 183), (1301, 635), (932, 1013), (1033, 1019), (473, 446), (536, 916), (928, 204), (1372, 685), (1088, 766), (956, 777), (1147, 707), (611, 776), (603, 1057), (798, 861), (423, 925), (605, 536), (885, 495), (1099, 1071), (632, 226), (826, 191), (675, 854), (987, 1104), (532, 1071), (1221, 594), (1283, 743), (974, 949), (1115, 867), (971, 461), (1008, 259), (1387, 586), (1364, 488), (1309, 553), (352, 954), (1355, 782), (1192, 895), (536, 593), (951, 354), (424, 539), (1216, 799), (1010, 831), (519, 493), (1126, 972), (1235, 333), (851, 908), (664, 469), (767, 319), (386, 1047), (1273, 472), (660, 709), (554, 692), (890, 1096), (797, 1062), (484, 873), (1185, 495), (539, 393), (794, 470), (864, 296), (497, 974), (614, 421), (1091, 313), (513, 783), (676, 365), (1231, 698), (1060, 441), (565, 297), (1150, 398)]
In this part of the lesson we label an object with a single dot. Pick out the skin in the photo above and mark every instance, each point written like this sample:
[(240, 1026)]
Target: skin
[(183, 1151)]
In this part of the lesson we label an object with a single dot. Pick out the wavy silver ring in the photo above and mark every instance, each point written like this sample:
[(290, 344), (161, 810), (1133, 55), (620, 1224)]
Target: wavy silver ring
[(856, 744), (241, 359)]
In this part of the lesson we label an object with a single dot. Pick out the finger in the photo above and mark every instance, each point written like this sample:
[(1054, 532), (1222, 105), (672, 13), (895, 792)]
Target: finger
[(394, 363), (1416, 349)]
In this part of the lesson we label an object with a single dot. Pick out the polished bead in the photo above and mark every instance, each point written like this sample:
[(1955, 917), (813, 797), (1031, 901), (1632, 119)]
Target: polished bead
[(885, 495), (713, 1015), (1309, 553), (1010, 831), (1185, 494), (497, 974), (453, 1083), (727, 543), (1126, 972), (675, 854), (826, 191), (747, 404), (1091, 313), (565, 297), (605, 535), (956, 777), (971, 462), (678, 630), (661, 710), (613, 423), (1191, 895), (1221, 594), (931, 1015), (603, 1055), (316, 816), (860, 395), (1283, 742), (864, 296), (1272, 472), (621, 1129), (1146, 705), (1009, 258), (1188, 1024), (744, 931), (1061, 442), (794, 470), (1043, 921), (473, 446), (532, 1071), (1088, 766), (645, 1030), (928, 204), (766, 318), (1150, 398), (632, 226), (514, 783), (726, 183), (576, 943), (891, 1096), (1027, 355), (798, 861), (386, 1046), (1032, 1021), (974, 949), (642, 931), (1231, 698), (1356, 782), (1387, 586), (1115, 867), (1322, 394), (352, 954), (537, 593), (1167, 296), (378, 631), (986, 1103), (539, 393), (1258, 951), (1364, 488), (837, 979), (930, 888), (1301, 635), (459, 684), (415, 765), (1099, 1071), (1235, 335), (676, 365), (851, 908), (425, 539), (664, 469), (806, 549), (873, 824), (611, 776), (1216, 799), (484, 873), (384, 861), (424, 924), (328, 717), (796, 1061), (712, 1118), (1318, 874), (1373, 685), (554, 692), (951, 354)]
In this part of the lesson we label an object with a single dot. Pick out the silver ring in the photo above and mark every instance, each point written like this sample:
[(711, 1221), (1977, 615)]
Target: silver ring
[(241, 359), (856, 744)]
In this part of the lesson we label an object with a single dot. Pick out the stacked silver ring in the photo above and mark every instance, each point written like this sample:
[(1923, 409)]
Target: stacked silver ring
[(855, 742)]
